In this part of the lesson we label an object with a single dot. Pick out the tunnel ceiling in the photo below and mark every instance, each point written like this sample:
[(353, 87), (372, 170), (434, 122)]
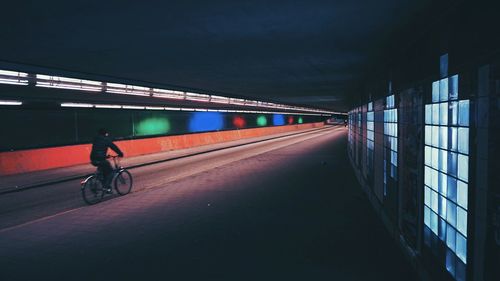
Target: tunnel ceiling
[(303, 52)]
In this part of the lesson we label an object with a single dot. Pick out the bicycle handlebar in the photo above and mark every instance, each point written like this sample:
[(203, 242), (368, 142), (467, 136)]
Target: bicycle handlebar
[(113, 156)]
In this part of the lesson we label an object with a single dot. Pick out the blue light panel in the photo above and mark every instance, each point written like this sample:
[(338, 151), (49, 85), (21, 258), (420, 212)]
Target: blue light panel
[(278, 119), (206, 121)]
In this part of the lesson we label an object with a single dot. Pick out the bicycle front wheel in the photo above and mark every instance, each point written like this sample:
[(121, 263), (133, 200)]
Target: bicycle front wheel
[(92, 191), (123, 182)]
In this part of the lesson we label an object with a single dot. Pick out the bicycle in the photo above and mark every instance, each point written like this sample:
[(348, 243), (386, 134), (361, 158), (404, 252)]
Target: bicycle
[(92, 187)]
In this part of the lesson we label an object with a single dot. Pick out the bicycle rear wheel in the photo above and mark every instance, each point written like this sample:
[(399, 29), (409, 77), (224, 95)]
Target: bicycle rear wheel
[(123, 182), (92, 191)]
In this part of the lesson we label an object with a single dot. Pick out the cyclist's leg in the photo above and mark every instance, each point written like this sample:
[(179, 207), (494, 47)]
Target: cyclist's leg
[(107, 172)]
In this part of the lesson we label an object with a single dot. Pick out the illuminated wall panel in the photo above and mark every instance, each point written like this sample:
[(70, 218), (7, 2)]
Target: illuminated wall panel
[(69, 125), (446, 174), (390, 148), (261, 120), (153, 126), (205, 121), (278, 119), (239, 121), (370, 139)]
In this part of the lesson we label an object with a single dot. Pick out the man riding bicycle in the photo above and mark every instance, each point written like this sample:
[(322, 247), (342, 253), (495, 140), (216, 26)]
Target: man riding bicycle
[(99, 154)]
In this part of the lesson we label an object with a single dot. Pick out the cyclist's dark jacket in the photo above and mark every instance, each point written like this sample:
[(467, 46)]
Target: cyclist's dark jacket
[(100, 148)]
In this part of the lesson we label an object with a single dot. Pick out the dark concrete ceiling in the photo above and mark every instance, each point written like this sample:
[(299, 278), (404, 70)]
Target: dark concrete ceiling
[(303, 52)]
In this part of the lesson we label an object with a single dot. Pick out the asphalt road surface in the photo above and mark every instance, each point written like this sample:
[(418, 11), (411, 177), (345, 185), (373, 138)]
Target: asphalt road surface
[(284, 209)]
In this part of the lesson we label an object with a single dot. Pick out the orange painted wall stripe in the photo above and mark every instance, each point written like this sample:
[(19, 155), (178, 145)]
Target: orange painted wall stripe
[(30, 160)]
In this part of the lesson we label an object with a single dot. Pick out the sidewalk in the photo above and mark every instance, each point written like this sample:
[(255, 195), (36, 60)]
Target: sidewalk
[(17, 182)]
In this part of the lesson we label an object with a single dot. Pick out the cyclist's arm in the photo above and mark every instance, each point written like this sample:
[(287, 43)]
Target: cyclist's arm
[(115, 148)]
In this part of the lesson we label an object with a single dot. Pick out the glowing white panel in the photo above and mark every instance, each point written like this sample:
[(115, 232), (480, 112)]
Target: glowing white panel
[(462, 221), (435, 114), (452, 189), (435, 136), (461, 248), (434, 201), (427, 196), (443, 184), (443, 89), (451, 214), (435, 158), (428, 135), (451, 238), (434, 223), (453, 113), (443, 113), (428, 114), (427, 156), (154, 108), (462, 194), (453, 135), (463, 140), (453, 87), (443, 137), (442, 206), (463, 167), (463, 113), (435, 91), (443, 161), (452, 163), (427, 216), (434, 179)]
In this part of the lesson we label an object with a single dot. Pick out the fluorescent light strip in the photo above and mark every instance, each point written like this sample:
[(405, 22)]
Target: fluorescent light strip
[(60, 82), (197, 97), (172, 108), (13, 77), (20, 78), (72, 104), (13, 81), (111, 106), (10, 102), (132, 107), (13, 73), (68, 87), (127, 89), (219, 99), (127, 92), (169, 96)]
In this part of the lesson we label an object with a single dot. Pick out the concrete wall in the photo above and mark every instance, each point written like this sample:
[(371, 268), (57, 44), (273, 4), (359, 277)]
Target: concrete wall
[(30, 160)]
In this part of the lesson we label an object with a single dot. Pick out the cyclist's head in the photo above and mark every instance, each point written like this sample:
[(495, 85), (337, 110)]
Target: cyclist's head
[(103, 132)]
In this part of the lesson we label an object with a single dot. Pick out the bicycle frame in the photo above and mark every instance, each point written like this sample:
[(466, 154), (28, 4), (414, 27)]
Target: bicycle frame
[(116, 170)]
